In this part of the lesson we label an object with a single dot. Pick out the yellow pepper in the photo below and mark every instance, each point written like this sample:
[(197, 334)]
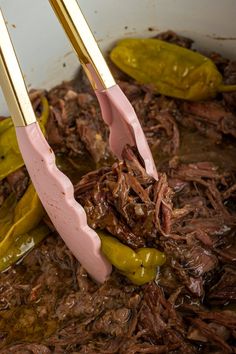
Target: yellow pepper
[(121, 256), (139, 267), (142, 275), (151, 257), (21, 245), (172, 70), (20, 227), (10, 156)]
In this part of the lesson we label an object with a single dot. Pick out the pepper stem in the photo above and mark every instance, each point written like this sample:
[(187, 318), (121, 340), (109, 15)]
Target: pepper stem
[(227, 88)]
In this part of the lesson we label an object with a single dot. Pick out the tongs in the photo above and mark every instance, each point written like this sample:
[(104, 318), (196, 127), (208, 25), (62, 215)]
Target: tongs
[(54, 189)]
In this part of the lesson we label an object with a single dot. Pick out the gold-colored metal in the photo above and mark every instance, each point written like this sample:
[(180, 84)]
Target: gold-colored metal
[(82, 39), (12, 82)]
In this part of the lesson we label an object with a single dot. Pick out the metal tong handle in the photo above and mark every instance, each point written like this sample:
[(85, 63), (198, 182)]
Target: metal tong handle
[(12, 82), (84, 43)]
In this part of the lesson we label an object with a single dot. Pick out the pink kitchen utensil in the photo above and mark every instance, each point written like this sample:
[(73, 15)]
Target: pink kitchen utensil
[(54, 189), (117, 111)]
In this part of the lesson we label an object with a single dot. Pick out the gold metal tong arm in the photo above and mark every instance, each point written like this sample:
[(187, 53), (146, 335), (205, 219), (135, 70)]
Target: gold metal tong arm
[(12, 82), (82, 39)]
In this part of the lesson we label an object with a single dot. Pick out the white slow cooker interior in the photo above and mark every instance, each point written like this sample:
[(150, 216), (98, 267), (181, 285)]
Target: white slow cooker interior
[(46, 56)]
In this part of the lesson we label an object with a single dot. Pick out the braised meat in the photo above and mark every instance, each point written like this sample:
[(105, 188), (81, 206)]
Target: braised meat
[(49, 304)]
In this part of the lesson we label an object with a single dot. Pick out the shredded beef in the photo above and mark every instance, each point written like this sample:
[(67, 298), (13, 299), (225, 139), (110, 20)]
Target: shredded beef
[(230, 79), (127, 202), (49, 304), (18, 181), (4, 190), (172, 37), (225, 288), (220, 61), (211, 116), (75, 125)]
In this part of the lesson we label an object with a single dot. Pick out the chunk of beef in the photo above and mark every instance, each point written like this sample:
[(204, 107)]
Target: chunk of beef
[(220, 61), (4, 191), (230, 79), (211, 118), (224, 291), (27, 349), (172, 37), (75, 125), (18, 181)]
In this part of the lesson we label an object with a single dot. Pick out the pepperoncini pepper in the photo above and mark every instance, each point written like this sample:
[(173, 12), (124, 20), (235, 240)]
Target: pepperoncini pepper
[(121, 256), (172, 70), (10, 156), (139, 267), (151, 257), (142, 275), (20, 226)]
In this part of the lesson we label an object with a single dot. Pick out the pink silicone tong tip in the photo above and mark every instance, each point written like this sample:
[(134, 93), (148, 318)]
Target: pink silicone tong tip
[(57, 196), (124, 126)]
